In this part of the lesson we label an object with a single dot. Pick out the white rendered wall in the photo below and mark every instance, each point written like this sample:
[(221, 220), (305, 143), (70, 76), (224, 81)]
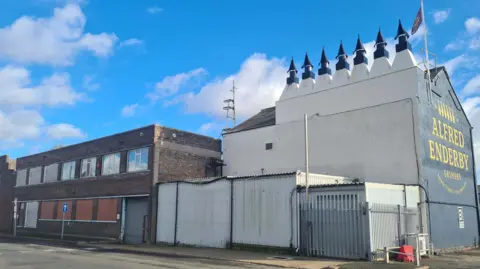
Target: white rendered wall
[(372, 144), (392, 194), (378, 90)]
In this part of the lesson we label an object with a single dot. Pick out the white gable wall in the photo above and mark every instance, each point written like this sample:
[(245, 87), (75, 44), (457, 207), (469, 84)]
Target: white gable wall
[(382, 89), (367, 143)]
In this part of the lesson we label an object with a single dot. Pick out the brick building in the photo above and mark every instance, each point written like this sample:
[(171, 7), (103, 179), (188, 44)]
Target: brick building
[(109, 184), (7, 182)]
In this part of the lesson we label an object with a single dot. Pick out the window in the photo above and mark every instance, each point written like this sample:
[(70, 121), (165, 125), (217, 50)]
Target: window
[(111, 164), (35, 176), (268, 146), (21, 177), (138, 160), (88, 167), (68, 170), (50, 173)]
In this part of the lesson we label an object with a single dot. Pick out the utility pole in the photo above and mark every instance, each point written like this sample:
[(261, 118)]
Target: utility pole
[(306, 156), (230, 106)]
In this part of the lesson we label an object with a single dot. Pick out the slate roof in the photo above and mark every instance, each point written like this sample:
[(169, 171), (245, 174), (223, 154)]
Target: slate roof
[(266, 117)]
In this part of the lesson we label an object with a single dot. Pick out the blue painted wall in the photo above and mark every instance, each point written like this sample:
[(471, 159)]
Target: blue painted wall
[(447, 167)]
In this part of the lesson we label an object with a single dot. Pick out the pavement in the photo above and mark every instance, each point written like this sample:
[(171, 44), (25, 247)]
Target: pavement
[(186, 257), (24, 255)]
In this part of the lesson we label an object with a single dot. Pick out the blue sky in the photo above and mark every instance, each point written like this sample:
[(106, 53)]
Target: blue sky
[(71, 71)]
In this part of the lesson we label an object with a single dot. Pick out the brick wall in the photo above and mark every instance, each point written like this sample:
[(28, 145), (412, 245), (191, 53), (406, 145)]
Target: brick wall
[(7, 183)]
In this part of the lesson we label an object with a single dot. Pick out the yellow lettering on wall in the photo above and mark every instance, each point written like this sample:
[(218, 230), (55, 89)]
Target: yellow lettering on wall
[(466, 161), (461, 139), (435, 130), (439, 151), (445, 154), (445, 131), (450, 134), (455, 137), (455, 158), (450, 157), (432, 155), (462, 164)]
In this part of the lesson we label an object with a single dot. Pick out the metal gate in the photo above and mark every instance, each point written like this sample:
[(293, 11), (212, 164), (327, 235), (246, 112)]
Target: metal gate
[(334, 225), (390, 224)]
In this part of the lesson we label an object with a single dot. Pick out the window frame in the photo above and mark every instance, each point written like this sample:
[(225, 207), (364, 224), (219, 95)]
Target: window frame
[(62, 173), (137, 152), (92, 161), (117, 171)]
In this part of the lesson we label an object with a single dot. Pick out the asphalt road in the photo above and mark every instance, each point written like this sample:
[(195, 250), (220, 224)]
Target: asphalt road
[(24, 255)]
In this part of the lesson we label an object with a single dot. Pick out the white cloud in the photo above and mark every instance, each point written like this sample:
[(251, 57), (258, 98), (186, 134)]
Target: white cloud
[(472, 86), (88, 83), (455, 63), (54, 40), (16, 89), (154, 10), (172, 84), (441, 15), (129, 110), (130, 42), (474, 43), (472, 25), (20, 124), (210, 128), (64, 130), (455, 45), (262, 81)]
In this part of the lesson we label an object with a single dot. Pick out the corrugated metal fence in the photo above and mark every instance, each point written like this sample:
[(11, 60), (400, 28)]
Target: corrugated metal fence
[(334, 225), (390, 224), (251, 211)]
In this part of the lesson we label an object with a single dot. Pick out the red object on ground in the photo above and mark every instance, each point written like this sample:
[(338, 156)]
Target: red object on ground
[(407, 249)]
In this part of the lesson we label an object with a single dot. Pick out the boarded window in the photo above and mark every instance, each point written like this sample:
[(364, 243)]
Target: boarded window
[(68, 214), (84, 210), (107, 209), (21, 177), (50, 173), (35, 176), (31, 215), (46, 210)]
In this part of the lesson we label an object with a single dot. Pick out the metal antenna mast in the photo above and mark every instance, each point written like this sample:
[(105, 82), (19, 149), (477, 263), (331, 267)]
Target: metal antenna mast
[(230, 106)]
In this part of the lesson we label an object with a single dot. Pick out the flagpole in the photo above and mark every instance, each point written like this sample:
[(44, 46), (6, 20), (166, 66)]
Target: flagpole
[(426, 51)]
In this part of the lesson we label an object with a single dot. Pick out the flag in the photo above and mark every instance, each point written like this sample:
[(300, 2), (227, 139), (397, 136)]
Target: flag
[(417, 22)]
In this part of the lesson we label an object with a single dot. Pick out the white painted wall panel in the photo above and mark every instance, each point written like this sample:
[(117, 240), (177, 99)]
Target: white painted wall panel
[(50, 173), (21, 177), (262, 211), (204, 214), (367, 144), (166, 213), (31, 215), (35, 176), (392, 194)]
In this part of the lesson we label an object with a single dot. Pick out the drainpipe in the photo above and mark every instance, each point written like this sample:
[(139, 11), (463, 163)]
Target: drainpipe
[(475, 181), (176, 218), (231, 213)]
